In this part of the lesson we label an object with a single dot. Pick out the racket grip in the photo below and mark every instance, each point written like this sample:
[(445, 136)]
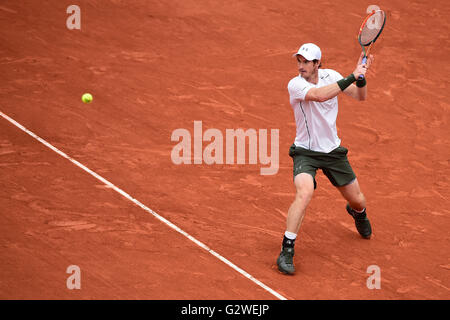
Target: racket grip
[(363, 61)]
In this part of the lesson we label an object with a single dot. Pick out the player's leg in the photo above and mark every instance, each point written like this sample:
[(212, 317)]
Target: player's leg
[(340, 173), (356, 207), (352, 193), (304, 184)]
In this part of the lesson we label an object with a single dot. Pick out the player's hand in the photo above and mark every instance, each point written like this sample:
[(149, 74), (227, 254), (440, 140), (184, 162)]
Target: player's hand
[(369, 60), (361, 69)]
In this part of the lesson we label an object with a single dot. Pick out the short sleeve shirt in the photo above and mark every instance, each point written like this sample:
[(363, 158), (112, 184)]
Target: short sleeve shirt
[(315, 121)]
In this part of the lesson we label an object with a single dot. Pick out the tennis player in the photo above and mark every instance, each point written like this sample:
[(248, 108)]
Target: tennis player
[(313, 96)]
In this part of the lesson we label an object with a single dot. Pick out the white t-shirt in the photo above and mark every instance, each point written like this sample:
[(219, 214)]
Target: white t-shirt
[(316, 121)]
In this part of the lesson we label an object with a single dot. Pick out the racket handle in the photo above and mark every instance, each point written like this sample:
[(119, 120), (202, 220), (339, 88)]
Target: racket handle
[(363, 61)]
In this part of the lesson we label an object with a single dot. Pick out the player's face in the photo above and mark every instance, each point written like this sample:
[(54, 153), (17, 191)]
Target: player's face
[(306, 67)]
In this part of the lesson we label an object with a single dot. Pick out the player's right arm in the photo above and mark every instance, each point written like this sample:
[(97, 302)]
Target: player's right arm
[(323, 93), (332, 90)]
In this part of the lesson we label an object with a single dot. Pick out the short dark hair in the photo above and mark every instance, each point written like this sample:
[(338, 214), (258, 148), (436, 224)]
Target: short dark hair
[(315, 61)]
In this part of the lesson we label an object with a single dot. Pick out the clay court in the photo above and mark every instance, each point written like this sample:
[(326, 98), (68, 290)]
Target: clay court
[(156, 66)]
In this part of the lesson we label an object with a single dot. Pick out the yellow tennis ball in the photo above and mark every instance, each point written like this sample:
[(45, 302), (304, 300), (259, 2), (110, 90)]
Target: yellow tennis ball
[(87, 98)]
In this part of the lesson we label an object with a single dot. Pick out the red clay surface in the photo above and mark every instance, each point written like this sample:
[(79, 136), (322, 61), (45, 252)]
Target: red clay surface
[(154, 67)]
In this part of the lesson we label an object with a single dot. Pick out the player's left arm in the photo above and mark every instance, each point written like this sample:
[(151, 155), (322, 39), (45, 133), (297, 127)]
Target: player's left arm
[(356, 92), (359, 93)]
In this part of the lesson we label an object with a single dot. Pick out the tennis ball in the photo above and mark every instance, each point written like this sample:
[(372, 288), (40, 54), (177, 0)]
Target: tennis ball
[(87, 98)]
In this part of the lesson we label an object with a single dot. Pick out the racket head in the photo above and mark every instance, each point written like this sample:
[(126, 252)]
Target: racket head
[(371, 27)]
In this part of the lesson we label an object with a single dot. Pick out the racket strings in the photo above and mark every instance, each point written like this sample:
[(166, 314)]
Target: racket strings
[(371, 28)]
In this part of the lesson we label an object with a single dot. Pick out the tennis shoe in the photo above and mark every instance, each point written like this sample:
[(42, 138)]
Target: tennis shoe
[(362, 223), (285, 261)]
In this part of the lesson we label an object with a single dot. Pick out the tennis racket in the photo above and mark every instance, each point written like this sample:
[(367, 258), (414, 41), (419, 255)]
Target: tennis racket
[(369, 32)]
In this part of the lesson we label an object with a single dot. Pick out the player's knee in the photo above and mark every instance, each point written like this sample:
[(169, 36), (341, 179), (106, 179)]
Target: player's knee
[(304, 194), (304, 183)]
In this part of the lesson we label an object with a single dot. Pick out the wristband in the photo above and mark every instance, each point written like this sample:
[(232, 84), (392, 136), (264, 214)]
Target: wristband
[(346, 82), (361, 82)]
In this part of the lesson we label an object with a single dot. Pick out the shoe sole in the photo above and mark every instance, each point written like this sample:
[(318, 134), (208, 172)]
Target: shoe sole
[(285, 272)]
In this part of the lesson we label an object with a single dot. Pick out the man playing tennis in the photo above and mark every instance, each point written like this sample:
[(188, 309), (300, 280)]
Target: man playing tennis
[(313, 96)]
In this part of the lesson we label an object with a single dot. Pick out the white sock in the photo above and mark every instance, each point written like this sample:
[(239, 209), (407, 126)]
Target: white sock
[(359, 211), (290, 235)]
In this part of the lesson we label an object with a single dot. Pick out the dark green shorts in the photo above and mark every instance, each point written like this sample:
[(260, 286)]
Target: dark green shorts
[(334, 165)]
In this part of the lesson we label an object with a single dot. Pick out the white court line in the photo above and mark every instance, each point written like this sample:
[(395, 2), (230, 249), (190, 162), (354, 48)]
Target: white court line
[(138, 203)]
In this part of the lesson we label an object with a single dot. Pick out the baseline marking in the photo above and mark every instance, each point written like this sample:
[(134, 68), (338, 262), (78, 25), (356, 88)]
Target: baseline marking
[(144, 207)]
